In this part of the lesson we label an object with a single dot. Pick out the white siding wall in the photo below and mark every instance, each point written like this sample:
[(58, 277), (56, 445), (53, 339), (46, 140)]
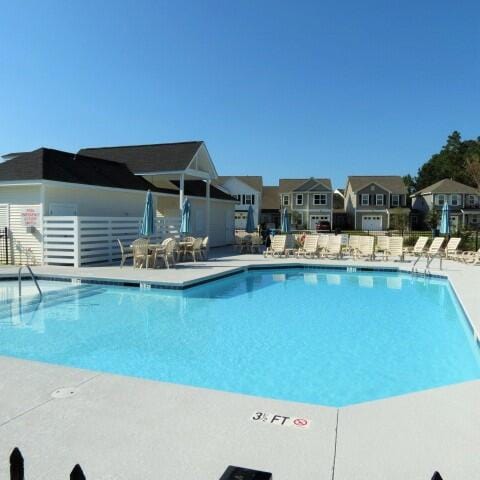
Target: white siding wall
[(25, 246), (237, 187)]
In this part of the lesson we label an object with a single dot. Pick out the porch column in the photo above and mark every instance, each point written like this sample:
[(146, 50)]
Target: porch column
[(207, 210), (182, 188)]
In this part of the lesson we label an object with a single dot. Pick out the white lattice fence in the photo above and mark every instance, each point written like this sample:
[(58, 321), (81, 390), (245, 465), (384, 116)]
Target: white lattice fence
[(80, 241)]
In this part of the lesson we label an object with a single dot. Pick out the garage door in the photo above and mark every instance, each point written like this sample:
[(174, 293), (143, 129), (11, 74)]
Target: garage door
[(314, 219), (371, 222)]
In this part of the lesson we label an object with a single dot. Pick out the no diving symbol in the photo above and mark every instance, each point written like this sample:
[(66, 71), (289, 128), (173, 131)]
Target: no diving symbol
[(300, 422)]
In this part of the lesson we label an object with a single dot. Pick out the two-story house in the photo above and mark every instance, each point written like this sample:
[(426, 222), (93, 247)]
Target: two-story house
[(248, 191), (372, 201), (309, 200), (463, 202)]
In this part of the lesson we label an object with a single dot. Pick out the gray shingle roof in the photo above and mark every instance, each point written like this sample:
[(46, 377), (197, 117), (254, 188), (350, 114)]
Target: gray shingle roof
[(447, 186), (162, 157), (254, 181), (302, 184), (270, 198), (392, 183)]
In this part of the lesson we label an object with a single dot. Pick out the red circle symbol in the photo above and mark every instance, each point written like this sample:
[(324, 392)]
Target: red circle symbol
[(300, 422)]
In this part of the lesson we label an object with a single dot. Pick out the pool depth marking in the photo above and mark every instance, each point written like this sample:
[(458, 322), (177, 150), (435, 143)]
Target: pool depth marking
[(280, 420)]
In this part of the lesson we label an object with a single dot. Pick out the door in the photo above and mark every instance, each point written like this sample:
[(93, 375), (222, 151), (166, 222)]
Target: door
[(372, 222)]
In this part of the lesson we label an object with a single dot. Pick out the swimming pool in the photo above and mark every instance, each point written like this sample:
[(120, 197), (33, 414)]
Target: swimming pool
[(309, 335)]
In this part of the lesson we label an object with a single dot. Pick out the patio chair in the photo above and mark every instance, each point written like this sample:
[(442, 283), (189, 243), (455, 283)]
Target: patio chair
[(353, 243), (334, 247), (419, 247), (381, 245), (194, 250), (204, 248), (126, 252), (277, 247), (141, 254), (167, 252), (451, 250), (365, 248), (256, 244), (322, 243), (394, 248), (471, 257), (310, 247)]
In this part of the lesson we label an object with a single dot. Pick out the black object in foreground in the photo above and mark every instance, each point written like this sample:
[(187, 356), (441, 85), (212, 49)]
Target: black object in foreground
[(16, 465), (240, 473), (437, 476)]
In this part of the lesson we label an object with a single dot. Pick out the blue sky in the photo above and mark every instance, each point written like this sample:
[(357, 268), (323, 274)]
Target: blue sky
[(279, 89)]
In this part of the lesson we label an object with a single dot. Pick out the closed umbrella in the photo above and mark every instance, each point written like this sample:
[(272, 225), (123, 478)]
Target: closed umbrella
[(185, 225), (285, 224), (445, 221), (250, 227), (148, 222)]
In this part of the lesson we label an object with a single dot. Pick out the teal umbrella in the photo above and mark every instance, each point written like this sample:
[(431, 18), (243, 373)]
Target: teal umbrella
[(185, 225), (148, 222), (285, 224), (445, 221), (250, 227)]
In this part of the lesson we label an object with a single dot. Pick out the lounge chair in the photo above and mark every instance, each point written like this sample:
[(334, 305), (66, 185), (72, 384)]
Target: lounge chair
[(126, 252), (394, 248), (310, 247), (471, 257), (322, 243), (141, 254), (433, 252), (334, 247), (451, 250), (365, 247), (381, 245), (353, 242), (277, 246), (419, 247)]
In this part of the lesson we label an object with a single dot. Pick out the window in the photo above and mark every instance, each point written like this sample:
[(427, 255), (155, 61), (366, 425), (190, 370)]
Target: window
[(248, 199), (285, 200), (455, 200), (471, 200), (299, 199), (379, 199), (365, 199), (319, 199), (237, 197), (440, 199), (395, 200)]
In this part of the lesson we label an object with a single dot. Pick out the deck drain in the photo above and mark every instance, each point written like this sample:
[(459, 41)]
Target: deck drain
[(65, 392)]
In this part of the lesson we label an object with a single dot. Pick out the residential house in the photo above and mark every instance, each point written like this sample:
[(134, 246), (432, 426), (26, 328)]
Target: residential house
[(308, 200), (375, 202), (463, 202), (270, 212), (50, 198), (248, 192)]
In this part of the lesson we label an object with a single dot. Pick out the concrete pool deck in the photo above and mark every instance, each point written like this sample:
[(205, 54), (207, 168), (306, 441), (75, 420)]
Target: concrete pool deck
[(126, 428)]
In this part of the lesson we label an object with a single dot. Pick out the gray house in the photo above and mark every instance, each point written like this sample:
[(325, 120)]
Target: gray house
[(463, 201), (309, 200), (375, 202)]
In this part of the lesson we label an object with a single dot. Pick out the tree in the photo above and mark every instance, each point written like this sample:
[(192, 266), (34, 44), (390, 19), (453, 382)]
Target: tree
[(473, 167), (409, 182), (450, 162)]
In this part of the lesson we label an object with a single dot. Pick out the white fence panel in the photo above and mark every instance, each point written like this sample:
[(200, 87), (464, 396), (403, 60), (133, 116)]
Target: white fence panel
[(81, 241)]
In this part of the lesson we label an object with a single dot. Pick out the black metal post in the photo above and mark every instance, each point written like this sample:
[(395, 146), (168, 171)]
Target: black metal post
[(16, 465)]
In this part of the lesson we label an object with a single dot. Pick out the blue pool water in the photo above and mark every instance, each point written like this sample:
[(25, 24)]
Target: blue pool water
[(316, 336)]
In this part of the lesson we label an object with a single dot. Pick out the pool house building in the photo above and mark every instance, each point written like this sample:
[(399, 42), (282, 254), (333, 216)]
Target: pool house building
[(61, 208)]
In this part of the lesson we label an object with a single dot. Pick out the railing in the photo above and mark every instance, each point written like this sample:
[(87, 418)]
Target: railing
[(82, 241), (33, 278), (5, 248)]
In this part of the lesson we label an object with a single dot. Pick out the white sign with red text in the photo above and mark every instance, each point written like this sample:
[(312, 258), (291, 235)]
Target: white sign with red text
[(31, 216)]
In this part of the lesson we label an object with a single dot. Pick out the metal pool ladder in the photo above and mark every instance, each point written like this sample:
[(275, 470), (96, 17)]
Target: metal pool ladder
[(33, 278)]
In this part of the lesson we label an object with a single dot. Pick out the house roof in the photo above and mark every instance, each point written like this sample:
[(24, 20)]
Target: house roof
[(338, 201), (302, 184), (447, 186), (270, 198), (256, 182), (59, 166), (392, 183), (161, 157)]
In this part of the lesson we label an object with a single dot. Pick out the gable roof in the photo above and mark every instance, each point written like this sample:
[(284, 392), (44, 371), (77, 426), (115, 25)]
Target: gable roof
[(59, 166), (160, 157), (302, 184), (392, 183), (447, 186), (270, 198), (254, 181)]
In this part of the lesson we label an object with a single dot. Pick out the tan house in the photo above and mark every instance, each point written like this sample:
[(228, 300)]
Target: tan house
[(309, 200), (372, 202), (463, 202)]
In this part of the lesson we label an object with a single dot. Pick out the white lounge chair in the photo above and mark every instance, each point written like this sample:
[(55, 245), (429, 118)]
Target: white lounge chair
[(381, 245), (394, 248), (353, 243), (365, 247), (451, 250), (334, 247), (472, 258), (277, 246), (310, 247), (419, 247)]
